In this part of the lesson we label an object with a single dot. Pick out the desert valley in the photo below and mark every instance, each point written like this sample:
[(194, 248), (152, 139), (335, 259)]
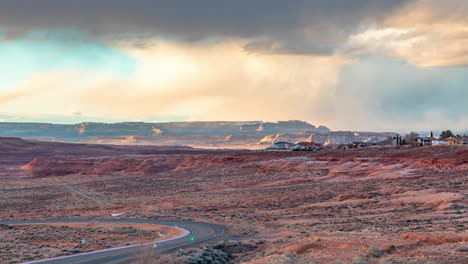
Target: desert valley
[(374, 204), (233, 132)]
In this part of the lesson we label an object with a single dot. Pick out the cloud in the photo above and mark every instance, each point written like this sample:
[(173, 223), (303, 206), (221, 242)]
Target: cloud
[(216, 82), (426, 33), (224, 82), (199, 82), (408, 29), (300, 26), (369, 65), (35, 85), (377, 93)]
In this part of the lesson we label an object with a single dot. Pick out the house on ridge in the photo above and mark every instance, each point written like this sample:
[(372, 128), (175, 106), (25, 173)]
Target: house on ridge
[(457, 140), (424, 141), (307, 146), (283, 145)]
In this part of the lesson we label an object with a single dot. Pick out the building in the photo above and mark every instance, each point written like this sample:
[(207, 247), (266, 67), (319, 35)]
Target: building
[(360, 144), (332, 146), (457, 140), (430, 141), (424, 141), (309, 146), (438, 141), (283, 145)]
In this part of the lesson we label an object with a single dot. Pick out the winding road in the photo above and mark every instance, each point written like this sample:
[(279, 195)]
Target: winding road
[(201, 231)]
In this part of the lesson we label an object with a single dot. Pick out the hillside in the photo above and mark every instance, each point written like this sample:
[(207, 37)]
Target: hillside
[(15, 150)]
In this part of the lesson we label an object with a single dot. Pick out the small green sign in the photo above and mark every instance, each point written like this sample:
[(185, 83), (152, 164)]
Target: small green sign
[(192, 239)]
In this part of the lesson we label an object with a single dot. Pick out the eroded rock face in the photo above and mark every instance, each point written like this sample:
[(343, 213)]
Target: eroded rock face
[(250, 141), (221, 128), (328, 138), (288, 137)]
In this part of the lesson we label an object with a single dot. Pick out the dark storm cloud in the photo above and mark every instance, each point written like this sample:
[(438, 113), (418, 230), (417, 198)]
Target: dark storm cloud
[(301, 26)]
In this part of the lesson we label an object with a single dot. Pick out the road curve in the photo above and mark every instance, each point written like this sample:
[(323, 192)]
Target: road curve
[(201, 231)]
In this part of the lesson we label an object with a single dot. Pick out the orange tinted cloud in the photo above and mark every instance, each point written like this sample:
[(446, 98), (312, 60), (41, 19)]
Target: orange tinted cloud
[(217, 82), (424, 32), (35, 85)]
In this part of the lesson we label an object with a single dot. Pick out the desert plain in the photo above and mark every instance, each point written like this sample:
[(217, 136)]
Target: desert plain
[(366, 205)]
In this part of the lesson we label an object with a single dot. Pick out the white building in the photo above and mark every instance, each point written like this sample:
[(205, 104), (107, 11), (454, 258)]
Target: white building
[(436, 142)]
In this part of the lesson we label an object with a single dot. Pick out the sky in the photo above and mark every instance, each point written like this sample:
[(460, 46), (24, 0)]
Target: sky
[(375, 65)]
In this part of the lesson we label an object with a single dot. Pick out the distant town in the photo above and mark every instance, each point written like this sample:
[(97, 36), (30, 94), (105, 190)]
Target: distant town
[(412, 139)]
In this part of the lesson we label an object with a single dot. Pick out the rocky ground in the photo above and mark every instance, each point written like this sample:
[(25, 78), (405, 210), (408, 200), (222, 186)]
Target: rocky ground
[(370, 205)]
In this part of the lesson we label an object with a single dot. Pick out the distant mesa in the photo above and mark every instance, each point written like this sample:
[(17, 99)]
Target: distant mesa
[(214, 128), (215, 134)]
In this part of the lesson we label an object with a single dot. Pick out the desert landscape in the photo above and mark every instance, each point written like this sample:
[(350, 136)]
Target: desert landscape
[(365, 205), (228, 132)]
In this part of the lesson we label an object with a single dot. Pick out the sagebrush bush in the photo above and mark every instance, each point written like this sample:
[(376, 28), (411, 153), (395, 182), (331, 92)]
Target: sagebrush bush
[(210, 255), (375, 252), (391, 248), (359, 260), (234, 247)]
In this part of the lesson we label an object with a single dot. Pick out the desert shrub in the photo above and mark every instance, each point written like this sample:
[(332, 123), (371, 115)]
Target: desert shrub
[(5, 227), (375, 252), (235, 247), (359, 260), (245, 231), (209, 255), (147, 255), (206, 255), (291, 258), (390, 248), (153, 258), (463, 249)]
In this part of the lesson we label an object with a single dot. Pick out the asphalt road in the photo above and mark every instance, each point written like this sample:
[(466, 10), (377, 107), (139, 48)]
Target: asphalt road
[(201, 231)]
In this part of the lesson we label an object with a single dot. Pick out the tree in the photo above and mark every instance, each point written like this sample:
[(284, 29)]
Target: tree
[(446, 134), (411, 138)]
